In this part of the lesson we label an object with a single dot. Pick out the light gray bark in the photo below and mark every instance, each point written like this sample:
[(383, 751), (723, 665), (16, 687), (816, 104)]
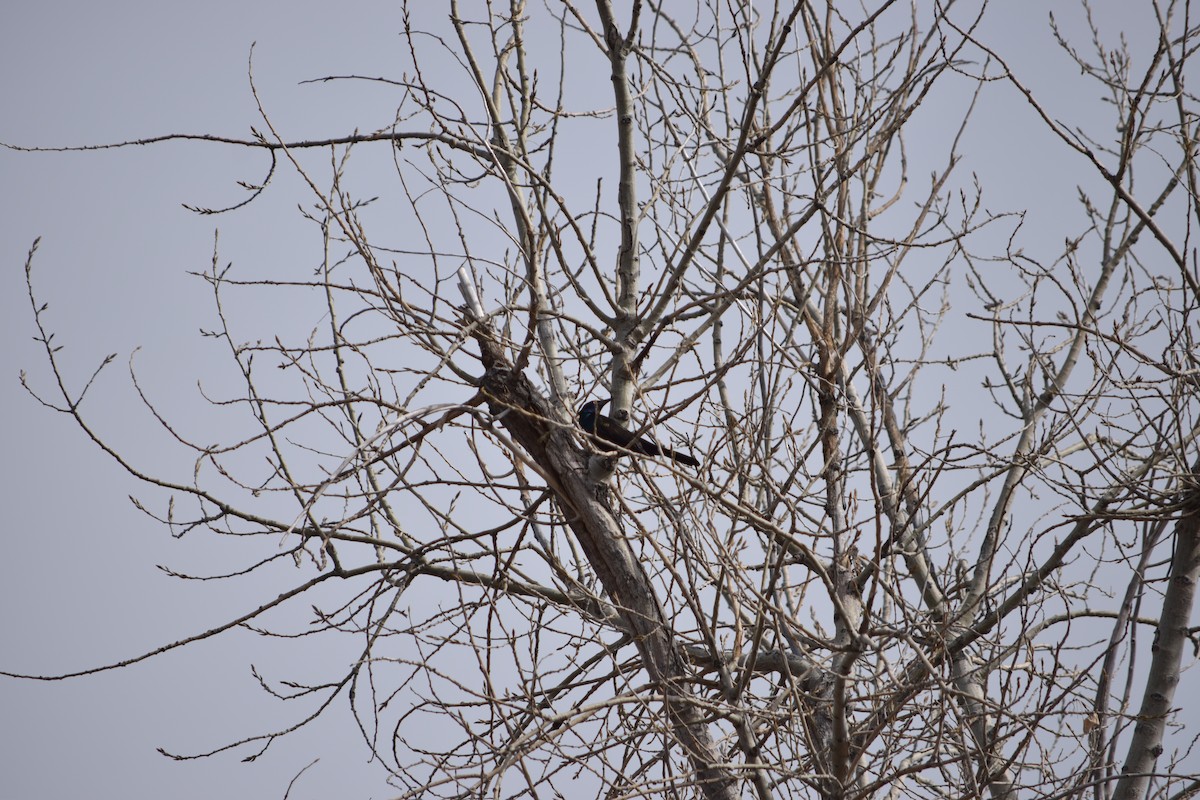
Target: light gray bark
[(1169, 640)]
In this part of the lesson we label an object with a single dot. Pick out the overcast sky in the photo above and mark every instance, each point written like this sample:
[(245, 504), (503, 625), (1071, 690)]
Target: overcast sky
[(78, 586), (78, 582)]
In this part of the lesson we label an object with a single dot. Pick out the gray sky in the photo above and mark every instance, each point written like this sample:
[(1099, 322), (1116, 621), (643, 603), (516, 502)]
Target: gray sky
[(78, 587), (78, 584)]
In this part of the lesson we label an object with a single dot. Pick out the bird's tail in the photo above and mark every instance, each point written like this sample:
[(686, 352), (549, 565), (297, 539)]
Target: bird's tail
[(682, 458)]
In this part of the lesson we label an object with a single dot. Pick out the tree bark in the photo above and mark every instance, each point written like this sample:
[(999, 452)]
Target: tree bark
[(1169, 640), (527, 417)]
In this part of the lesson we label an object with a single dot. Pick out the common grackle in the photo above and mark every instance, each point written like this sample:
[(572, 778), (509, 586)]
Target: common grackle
[(606, 429)]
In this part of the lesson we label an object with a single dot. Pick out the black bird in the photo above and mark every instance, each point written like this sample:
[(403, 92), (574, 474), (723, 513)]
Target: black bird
[(606, 429)]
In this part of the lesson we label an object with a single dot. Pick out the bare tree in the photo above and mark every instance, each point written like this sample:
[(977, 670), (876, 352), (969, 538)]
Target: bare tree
[(944, 480)]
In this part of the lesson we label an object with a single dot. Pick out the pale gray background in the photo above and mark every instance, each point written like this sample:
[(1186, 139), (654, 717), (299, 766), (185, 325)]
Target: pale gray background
[(78, 586)]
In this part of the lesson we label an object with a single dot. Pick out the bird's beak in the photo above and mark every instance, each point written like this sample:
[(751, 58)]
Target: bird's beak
[(601, 404)]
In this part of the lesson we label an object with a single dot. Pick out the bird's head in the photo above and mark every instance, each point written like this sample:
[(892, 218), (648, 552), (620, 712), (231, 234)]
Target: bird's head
[(588, 413)]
